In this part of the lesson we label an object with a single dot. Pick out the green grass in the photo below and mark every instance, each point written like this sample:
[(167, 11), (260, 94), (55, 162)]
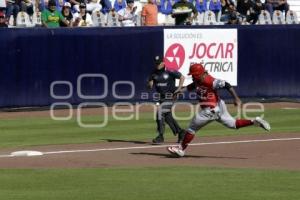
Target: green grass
[(192, 183), (171, 183), (42, 131)]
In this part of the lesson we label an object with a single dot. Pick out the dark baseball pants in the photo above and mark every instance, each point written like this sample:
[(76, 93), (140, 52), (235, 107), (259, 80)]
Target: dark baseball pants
[(164, 115)]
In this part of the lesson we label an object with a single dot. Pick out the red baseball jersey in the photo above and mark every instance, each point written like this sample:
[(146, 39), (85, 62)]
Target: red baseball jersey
[(206, 90)]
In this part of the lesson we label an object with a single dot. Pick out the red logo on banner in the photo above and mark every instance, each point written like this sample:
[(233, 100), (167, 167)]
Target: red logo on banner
[(174, 57)]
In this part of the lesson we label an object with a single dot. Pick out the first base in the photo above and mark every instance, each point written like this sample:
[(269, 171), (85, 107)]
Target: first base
[(26, 153)]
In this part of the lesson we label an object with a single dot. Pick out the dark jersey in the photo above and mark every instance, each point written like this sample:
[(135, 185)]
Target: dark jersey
[(164, 82)]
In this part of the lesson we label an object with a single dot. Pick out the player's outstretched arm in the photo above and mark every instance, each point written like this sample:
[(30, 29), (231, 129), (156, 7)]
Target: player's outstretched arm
[(178, 92), (237, 100), (180, 86), (182, 90), (221, 84)]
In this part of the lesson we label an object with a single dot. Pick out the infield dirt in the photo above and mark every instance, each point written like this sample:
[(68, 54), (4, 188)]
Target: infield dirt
[(263, 155)]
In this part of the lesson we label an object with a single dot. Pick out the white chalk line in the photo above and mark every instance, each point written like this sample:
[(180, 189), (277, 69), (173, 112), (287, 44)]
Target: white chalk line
[(6, 156), (290, 108), (159, 146)]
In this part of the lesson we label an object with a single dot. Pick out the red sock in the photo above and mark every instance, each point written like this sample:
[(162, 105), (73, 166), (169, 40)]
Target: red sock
[(188, 137), (239, 123)]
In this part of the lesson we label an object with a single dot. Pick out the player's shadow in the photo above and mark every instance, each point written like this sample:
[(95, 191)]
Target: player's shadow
[(167, 155), (126, 141)]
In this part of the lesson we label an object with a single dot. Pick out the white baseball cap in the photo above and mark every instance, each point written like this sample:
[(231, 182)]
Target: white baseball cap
[(67, 4)]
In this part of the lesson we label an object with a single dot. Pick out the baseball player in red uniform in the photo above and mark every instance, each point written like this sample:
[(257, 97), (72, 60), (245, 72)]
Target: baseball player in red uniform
[(212, 107)]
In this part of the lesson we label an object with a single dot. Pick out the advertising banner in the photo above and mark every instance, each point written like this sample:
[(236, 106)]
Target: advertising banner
[(216, 49)]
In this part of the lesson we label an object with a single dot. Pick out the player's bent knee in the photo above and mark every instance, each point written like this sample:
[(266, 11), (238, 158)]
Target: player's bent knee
[(191, 131)]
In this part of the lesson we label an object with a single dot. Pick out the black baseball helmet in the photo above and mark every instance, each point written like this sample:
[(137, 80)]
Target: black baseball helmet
[(158, 60)]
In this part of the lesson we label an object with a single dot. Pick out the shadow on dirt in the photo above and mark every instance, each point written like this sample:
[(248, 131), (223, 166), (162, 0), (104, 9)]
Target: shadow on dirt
[(126, 141), (166, 155)]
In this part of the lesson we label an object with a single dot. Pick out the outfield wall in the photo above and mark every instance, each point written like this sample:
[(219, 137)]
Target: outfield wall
[(31, 59)]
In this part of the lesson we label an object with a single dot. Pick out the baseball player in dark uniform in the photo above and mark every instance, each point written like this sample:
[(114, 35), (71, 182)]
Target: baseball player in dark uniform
[(164, 83)]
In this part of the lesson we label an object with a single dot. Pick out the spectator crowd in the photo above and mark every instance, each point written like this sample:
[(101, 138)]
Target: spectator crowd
[(87, 13)]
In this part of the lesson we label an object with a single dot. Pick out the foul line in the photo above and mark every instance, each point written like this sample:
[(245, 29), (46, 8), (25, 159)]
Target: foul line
[(159, 146), (6, 156)]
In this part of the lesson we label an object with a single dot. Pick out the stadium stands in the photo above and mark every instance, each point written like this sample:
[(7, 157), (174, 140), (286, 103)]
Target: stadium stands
[(210, 12)]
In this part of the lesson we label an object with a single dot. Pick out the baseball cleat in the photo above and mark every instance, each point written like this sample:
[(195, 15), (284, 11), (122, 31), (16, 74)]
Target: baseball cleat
[(158, 140), (262, 123), (176, 151)]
